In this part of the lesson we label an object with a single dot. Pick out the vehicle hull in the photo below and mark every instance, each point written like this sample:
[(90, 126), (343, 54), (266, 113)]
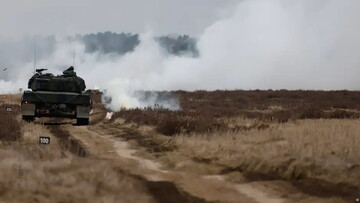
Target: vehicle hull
[(56, 104)]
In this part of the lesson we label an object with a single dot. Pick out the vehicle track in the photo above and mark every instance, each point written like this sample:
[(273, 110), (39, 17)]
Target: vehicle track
[(68, 142), (162, 184), (66, 137)]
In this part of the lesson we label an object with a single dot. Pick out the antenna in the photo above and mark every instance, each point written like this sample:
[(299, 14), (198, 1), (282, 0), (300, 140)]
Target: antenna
[(74, 55), (35, 57)]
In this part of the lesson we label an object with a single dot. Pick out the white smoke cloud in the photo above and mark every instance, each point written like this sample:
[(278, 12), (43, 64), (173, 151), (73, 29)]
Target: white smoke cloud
[(264, 44)]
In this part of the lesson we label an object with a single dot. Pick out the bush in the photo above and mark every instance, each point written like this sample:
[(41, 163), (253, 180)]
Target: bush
[(170, 125), (311, 113), (9, 125), (342, 114), (282, 116)]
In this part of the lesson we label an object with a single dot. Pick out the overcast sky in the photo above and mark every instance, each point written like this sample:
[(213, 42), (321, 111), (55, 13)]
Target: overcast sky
[(69, 17)]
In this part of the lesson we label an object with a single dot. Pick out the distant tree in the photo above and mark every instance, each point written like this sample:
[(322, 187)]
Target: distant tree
[(182, 45), (123, 43), (109, 42)]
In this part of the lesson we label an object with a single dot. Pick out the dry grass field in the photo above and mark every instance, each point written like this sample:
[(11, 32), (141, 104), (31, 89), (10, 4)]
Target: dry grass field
[(321, 152), (309, 138), (299, 146)]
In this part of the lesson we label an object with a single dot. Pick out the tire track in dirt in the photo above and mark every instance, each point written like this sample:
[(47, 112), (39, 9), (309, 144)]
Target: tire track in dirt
[(67, 142), (258, 184), (50, 173), (164, 186), (72, 138)]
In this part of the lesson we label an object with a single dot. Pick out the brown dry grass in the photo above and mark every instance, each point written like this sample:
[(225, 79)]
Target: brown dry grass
[(204, 111), (170, 122), (28, 177), (98, 111), (9, 124), (320, 157), (310, 138), (12, 99), (230, 101), (261, 134), (51, 173), (335, 141)]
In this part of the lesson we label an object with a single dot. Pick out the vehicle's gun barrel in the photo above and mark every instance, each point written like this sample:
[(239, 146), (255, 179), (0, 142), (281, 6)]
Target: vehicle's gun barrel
[(40, 70)]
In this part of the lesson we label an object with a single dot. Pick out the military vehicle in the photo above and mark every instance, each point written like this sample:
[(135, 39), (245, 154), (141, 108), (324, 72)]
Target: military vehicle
[(61, 96)]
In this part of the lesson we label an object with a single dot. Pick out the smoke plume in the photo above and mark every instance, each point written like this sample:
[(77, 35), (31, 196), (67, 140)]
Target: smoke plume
[(263, 44)]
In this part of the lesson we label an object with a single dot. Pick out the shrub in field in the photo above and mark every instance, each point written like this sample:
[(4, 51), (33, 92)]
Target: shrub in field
[(170, 122), (282, 116), (169, 125), (9, 126), (311, 113), (342, 114), (202, 124)]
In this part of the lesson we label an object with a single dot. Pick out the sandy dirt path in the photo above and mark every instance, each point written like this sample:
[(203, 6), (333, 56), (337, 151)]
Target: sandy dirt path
[(209, 188)]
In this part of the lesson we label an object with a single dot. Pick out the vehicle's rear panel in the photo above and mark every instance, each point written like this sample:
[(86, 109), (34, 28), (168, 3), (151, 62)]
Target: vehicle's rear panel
[(56, 104), (56, 97)]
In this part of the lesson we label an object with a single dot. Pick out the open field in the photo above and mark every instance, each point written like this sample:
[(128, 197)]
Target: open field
[(310, 138), (223, 146)]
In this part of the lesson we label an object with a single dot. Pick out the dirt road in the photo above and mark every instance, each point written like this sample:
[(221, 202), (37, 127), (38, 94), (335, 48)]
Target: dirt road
[(210, 188), (109, 143)]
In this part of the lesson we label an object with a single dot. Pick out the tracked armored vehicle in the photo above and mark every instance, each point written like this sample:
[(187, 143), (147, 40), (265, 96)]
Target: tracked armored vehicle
[(61, 96)]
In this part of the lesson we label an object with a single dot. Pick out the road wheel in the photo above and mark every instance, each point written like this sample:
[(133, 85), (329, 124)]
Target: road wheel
[(28, 119), (82, 121)]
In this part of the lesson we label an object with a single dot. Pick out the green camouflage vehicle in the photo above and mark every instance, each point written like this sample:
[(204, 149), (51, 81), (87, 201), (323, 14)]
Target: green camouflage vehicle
[(56, 96)]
